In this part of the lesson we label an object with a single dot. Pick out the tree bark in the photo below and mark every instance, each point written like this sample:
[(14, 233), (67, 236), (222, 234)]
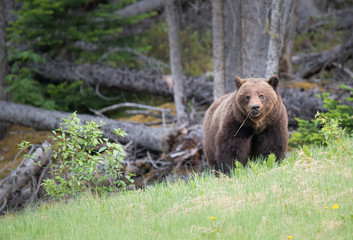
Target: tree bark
[(219, 87), (3, 62), (245, 47), (290, 22), (248, 25), (276, 38), (147, 137), (133, 80), (175, 62)]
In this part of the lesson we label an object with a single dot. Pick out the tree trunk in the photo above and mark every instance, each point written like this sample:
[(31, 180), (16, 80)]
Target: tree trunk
[(175, 62), (3, 62), (246, 49), (147, 137), (249, 27), (276, 38), (219, 88), (134, 80), (290, 22)]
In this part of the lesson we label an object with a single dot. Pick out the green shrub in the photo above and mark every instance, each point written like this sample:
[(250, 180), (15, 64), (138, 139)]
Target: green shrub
[(84, 160), (312, 132)]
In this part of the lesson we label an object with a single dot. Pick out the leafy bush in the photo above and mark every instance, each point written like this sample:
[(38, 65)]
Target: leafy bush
[(84, 160), (312, 132)]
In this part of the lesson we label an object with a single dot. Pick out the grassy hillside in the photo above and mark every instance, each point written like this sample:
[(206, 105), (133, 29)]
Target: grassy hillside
[(309, 196)]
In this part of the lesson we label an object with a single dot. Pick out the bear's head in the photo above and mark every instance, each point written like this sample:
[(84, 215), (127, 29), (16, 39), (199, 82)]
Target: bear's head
[(256, 97)]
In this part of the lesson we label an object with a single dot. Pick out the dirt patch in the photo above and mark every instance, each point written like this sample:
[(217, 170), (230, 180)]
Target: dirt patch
[(9, 146)]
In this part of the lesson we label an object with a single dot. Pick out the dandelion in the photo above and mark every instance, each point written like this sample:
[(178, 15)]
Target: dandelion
[(289, 237), (335, 206), (212, 218), (267, 221), (326, 207)]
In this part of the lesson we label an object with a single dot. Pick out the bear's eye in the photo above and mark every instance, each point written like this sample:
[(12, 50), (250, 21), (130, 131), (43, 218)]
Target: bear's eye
[(261, 96), (247, 98)]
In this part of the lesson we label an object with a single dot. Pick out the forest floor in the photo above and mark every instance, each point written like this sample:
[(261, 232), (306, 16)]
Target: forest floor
[(10, 155)]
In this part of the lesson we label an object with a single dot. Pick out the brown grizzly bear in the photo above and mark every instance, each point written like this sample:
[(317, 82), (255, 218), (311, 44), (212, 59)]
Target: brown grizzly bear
[(247, 123)]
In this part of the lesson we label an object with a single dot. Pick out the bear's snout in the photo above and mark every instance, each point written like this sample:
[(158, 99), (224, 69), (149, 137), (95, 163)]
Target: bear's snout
[(255, 110)]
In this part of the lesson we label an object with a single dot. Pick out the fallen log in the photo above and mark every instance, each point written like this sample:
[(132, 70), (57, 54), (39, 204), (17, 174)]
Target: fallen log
[(134, 80), (316, 62), (22, 185), (41, 119)]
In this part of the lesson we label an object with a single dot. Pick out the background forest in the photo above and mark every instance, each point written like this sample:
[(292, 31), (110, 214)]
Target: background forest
[(151, 68)]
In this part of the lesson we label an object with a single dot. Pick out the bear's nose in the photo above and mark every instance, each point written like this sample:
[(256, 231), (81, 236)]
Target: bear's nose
[(255, 107)]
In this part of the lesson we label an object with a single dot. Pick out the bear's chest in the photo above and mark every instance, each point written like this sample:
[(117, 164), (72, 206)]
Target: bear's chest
[(246, 131)]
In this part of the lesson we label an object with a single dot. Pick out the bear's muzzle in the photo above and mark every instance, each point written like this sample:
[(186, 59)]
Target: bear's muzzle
[(255, 110)]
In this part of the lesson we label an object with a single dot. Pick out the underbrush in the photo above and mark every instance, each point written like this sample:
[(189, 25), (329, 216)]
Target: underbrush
[(307, 196)]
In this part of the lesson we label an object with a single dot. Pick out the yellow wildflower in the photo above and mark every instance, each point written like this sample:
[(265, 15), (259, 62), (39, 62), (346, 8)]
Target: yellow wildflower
[(267, 221), (335, 206), (326, 207), (212, 218), (289, 237)]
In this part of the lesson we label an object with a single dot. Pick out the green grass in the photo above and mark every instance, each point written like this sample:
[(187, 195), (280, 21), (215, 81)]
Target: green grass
[(263, 201)]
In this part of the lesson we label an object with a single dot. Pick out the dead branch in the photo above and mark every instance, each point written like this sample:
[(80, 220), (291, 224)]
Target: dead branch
[(14, 188), (150, 113), (135, 105)]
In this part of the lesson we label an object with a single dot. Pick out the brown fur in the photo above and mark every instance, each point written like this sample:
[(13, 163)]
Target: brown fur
[(258, 106)]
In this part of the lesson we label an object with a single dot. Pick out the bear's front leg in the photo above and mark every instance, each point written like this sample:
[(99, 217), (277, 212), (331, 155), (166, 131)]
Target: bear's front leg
[(229, 150), (272, 140)]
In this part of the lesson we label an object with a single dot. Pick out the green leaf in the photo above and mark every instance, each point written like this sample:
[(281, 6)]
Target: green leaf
[(102, 149)]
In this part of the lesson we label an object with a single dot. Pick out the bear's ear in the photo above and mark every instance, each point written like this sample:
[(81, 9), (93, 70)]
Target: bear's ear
[(239, 81), (273, 81)]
